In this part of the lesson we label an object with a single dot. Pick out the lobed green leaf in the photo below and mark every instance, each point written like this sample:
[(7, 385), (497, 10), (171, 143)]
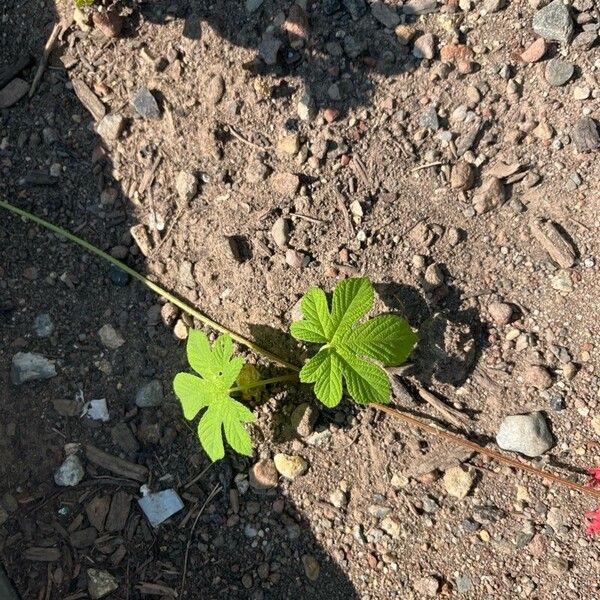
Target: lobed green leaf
[(352, 353), (224, 416)]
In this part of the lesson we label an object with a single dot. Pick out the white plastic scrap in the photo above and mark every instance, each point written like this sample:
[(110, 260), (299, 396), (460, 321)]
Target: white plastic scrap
[(159, 506), (97, 410)]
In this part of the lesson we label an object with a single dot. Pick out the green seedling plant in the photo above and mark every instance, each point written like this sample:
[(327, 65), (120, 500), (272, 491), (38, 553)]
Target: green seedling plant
[(351, 352), (217, 368)]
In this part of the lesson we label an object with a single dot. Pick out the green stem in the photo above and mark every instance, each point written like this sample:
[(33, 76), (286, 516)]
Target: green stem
[(265, 382), (149, 284)]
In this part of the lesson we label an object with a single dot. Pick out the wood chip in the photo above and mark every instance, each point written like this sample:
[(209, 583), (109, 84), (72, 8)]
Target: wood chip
[(140, 236), (156, 589), (96, 510), (440, 458), (119, 511), (83, 538), (67, 408), (554, 242), (89, 99), (42, 554), (116, 465)]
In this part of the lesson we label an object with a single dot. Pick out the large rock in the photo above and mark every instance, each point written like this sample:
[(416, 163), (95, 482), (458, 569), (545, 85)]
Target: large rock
[(527, 434), (28, 366), (554, 22)]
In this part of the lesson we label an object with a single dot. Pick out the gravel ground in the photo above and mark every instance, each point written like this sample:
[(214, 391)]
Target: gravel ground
[(239, 153)]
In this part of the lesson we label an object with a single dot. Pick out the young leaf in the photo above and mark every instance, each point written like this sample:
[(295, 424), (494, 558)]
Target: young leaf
[(218, 372), (351, 349)]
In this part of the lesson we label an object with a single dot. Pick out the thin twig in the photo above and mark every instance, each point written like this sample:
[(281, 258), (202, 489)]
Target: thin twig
[(408, 503), (156, 250), (451, 414), (360, 169), (242, 139), (196, 478), (45, 55), (437, 163), (344, 210), (214, 492), (307, 218), (507, 460)]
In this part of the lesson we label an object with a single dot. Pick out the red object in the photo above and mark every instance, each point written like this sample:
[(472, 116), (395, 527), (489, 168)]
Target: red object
[(593, 525), (594, 474)]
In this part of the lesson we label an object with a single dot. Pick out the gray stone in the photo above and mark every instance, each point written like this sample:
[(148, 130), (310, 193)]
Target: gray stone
[(303, 419), (268, 49), (100, 583), (215, 90), (145, 104), (253, 5), (28, 366), (386, 15), (356, 8), (123, 438), (70, 473), (585, 135), (427, 586), (420, 7), (554, 22), (13, 92), (458, 481), (463, 584), (43, 325), (492, 6), (424, 46), (307, 108), (558, 72), (501, 312), (429, 118), (110, 337), (111, 127), (527, 434), (489, 196), (281, 232), (150, 394)]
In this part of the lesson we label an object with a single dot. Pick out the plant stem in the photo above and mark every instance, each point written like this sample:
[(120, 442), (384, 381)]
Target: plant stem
[(501, 458), (412, 421), (149, 284), (265, 382)]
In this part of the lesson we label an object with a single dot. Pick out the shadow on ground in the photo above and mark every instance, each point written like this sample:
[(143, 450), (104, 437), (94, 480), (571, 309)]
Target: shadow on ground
[(52, 164)]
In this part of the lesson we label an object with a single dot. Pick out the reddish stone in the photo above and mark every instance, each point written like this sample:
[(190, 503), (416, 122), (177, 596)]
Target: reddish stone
[(296, 24), (453, 53), (534, 52), (331, 114), (109, 23)]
